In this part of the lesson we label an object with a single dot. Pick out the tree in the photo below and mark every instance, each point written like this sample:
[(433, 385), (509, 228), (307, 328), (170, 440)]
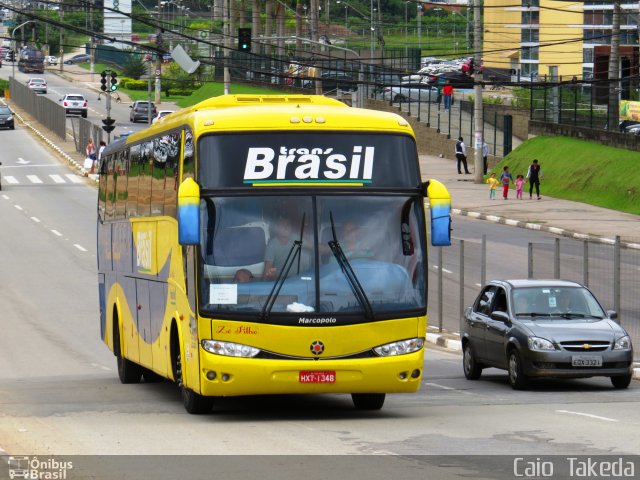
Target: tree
[(134, 67)]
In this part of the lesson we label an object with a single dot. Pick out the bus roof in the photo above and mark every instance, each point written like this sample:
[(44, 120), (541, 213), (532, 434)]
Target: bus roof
[(286, 112)]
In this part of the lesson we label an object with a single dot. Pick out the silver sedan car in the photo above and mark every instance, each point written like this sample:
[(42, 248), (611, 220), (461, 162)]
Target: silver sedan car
[(544, 328)]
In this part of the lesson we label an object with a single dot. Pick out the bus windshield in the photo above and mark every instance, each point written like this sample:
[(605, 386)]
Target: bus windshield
[(284, 258)]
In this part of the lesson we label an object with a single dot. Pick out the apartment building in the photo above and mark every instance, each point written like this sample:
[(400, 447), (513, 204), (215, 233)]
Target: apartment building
[(537, 39)]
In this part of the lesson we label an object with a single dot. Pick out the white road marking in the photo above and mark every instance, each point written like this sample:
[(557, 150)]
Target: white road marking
[(597, 417), (6, 197), (22, 161), (444, 269), (55, 232), (80, 247), (18, 207), (444, 387), (34, 179), (10, 179), (74, 178), (57, 178), (35, 219)]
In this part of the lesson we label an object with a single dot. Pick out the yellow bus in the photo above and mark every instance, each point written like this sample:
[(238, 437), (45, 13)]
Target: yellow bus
[(268, 245)]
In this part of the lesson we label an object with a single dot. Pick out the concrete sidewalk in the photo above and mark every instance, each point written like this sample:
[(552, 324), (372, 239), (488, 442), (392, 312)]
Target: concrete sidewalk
[(562, 217)]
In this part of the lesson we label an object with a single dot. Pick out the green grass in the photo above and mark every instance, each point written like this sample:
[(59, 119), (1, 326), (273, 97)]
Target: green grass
[(581, 171)]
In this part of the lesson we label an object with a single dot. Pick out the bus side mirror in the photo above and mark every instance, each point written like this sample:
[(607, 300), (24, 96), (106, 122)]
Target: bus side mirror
[(440, 207), (189, 212)]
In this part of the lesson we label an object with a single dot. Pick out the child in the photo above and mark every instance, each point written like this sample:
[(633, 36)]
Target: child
[(519, 186), (493, 183), (505, 178)]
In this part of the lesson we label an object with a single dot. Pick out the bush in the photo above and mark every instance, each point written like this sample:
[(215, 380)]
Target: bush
[(131, 84), (4, 85)]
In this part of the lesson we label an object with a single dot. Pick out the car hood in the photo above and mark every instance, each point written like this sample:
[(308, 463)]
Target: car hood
[(561, 330)]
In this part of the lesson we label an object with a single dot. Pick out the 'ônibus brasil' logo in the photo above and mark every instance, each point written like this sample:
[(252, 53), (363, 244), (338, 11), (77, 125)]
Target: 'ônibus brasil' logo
[(304, 166)]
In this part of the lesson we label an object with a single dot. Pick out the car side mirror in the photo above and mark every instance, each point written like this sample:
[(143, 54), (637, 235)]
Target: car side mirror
[(130, 106), (612, 314), (500, 316)]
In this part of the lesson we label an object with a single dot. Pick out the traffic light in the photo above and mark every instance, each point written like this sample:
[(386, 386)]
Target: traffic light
[(244, 39), (108, 124), (103, 81), (114, 81)]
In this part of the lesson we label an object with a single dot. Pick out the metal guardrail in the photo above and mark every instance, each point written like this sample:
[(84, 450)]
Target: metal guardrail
[(43, 109)]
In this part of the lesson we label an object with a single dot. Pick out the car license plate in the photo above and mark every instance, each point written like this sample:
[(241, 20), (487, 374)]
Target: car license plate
[(317, 377), (586, 361)]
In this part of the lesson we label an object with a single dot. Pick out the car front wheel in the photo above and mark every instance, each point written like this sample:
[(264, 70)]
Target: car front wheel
[(472, 369), (517, 379), (621, 381)]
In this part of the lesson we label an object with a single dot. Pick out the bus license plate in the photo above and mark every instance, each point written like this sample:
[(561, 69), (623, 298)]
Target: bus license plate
[(317, 377), (586, 361)]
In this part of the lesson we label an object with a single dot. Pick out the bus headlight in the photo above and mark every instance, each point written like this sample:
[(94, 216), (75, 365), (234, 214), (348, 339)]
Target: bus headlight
[(400, 348), (229, 349)]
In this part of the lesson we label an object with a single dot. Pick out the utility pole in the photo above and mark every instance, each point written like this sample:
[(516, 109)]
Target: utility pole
[(227, 46), (159, 55), (477, 90), (613, 110), (61, 40)]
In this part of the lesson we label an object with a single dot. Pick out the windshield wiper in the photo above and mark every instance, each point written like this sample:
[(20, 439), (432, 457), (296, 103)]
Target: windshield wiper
[(572, 315), (355, 285), (282, 275)]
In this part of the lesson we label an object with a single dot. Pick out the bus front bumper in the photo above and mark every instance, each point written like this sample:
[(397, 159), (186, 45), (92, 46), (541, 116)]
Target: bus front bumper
[(229, 376)]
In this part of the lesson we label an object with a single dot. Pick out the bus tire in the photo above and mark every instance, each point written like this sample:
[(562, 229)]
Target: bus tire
[(193, 402), (368, 401), (128, 372)]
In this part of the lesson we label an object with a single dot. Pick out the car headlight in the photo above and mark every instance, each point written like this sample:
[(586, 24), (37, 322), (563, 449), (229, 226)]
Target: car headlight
[(537, 343), (229, 349), (623, 343), (400, 348), (10, 117)]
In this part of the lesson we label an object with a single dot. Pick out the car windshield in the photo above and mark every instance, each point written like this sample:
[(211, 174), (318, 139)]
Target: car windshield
[(5, 111), (283, 256), (555, 302)]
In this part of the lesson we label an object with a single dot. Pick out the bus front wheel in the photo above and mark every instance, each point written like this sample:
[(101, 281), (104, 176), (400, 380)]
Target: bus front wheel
[(193, 402), (368, 401)]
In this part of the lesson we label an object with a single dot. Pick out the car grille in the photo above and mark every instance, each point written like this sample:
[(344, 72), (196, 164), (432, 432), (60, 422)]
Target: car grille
[(586, 346)]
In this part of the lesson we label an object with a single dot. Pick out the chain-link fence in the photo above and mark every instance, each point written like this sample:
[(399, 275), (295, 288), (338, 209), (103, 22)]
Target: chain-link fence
[(610, 270)]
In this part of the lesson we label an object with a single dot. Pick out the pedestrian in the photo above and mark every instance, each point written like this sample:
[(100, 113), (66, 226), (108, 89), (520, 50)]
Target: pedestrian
[(447, 92), (493, 184), (461, 156), (485, 154), (505, 179), (519, 186), (91, 150), (534, 175), (103, 145)]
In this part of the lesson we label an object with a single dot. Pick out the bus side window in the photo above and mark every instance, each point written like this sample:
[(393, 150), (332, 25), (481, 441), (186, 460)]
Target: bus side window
[(188, 163), (121, 168), (132, 181), (110, 189), (171, 178), (144, 179)]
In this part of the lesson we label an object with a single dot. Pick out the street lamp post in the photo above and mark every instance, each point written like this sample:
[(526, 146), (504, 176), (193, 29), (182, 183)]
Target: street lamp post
[(406, 29), (13, 42)]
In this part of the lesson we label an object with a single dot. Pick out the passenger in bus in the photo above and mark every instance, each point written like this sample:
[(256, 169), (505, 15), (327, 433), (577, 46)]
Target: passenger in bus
[(243, 276), (277, 249)]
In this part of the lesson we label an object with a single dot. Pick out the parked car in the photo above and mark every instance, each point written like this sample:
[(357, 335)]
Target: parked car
[(140, 111), (6, 117), (544, 328), (334, 80), (10, 56), (37, 85), (80, 58), (51, 60), (75, 104), (161, 114), (410, 91), (456, 79)]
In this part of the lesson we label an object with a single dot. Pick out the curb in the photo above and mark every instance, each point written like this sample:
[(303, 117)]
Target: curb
[(445, 341), (542, 228)]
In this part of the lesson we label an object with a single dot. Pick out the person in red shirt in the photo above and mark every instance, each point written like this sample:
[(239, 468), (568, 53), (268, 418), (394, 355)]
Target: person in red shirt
[(447, 92)]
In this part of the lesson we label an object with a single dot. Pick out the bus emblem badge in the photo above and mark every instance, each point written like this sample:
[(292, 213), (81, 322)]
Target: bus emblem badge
[(317, 347)]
